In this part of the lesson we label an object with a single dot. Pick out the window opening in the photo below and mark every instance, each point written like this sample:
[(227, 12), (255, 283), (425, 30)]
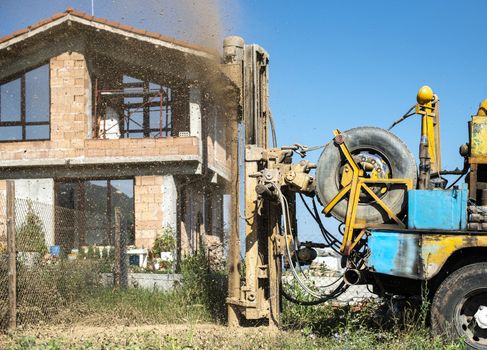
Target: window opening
[(24, 106), (92, 206), (140, 109)]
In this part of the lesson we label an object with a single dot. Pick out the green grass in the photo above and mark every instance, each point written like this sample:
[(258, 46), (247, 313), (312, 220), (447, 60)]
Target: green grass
[(366, 326), (132, 307), (70, 291), (91, 317)]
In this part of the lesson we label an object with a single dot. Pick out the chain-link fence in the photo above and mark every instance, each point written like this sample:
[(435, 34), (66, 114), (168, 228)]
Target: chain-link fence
[(61, 255)]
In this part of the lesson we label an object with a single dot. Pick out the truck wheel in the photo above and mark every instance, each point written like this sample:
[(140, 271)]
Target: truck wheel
[(387, 153), (459, 308)]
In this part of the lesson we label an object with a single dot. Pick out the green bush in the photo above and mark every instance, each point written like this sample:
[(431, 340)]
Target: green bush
[(203, 285), (164, 242), (45, 289), (30, 236)]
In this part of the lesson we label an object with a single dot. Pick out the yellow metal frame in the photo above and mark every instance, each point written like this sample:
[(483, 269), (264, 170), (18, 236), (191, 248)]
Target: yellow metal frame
[(354, 230), (430, 131)]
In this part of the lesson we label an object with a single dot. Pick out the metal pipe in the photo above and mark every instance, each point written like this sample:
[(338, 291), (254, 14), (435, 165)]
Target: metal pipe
[(95, 121), (353, 277), (160, 113), (167, 113), (424, 164)]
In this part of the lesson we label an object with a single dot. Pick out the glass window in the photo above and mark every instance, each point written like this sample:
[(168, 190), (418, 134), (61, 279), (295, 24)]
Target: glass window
[(10, 133), (136, 120), (10, 101), (96, 216), (24, 106), (155, 118), (95, 201), (122, 196), (37, 132), (37, 95), (155, 87), (128, 80)]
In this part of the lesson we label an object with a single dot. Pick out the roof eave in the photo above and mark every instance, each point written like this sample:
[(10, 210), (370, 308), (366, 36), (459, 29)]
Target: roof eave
[(136, 34)]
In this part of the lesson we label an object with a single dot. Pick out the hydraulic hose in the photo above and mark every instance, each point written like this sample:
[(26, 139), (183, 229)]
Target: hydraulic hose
[(287, 227)]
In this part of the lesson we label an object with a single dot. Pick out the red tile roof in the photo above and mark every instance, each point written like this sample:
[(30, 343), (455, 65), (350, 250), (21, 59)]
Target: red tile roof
[(70, 11)]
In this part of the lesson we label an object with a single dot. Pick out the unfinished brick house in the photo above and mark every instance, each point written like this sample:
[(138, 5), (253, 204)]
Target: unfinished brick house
[(95, 114)]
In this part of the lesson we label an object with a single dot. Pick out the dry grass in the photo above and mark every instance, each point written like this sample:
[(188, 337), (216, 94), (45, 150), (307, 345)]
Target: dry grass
[(191, 318), (209, 336)]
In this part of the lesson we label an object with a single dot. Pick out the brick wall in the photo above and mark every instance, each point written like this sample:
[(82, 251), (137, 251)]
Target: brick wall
[(141, 147), (148, 197), (71, 118), (70, 96)]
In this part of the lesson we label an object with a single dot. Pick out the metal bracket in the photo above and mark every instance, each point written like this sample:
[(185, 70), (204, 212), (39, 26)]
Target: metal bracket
[(355, 230)]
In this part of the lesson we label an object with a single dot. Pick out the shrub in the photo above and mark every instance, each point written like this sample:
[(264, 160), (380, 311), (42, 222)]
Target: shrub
[(30, 236), (204, 285), (45, 289), (164, 242)]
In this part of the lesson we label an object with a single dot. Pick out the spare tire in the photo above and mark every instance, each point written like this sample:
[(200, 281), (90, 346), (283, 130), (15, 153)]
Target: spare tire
[(376, 144)]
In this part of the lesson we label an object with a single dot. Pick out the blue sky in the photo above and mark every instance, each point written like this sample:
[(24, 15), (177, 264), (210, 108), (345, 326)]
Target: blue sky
[(341, 64), (334, 64)]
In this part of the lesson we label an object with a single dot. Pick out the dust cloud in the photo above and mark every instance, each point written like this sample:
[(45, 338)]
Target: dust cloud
[(200, 22)]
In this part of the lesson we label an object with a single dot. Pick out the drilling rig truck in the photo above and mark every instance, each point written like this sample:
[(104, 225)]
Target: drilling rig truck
[(405, 231)]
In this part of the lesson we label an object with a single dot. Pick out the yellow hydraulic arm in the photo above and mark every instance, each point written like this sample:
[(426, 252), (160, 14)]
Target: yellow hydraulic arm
[(428, 107)]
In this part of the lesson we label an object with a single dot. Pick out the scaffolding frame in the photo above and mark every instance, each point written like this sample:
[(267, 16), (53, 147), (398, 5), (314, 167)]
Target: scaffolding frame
[(148, 97)]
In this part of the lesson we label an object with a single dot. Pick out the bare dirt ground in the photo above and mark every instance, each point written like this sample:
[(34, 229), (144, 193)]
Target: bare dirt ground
[(200, 336), (211, 336)]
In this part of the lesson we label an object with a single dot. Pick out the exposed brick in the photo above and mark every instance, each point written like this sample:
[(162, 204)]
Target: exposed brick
[(148, 208), (69, 123), (138, 180)]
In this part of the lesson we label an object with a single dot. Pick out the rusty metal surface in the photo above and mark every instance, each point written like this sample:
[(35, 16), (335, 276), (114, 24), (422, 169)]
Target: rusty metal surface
[(417, 254), (478, 129)]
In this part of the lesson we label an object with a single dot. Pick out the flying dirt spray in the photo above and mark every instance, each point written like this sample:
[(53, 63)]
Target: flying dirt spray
[(199, 22)]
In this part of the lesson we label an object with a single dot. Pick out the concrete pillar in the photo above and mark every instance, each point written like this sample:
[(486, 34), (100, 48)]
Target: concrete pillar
[(169, 205), (195, 112)]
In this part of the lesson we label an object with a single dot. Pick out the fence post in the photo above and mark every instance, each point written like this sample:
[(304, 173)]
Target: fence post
[(118, 250), (123, 251), (120, 274), (12, 256)]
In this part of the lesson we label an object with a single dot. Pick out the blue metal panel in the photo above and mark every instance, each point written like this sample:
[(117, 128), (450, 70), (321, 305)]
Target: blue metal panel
[(395, 253), (437, 209)]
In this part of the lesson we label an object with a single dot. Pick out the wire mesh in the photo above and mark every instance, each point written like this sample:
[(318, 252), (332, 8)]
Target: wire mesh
[(60, 259), (67, 261)]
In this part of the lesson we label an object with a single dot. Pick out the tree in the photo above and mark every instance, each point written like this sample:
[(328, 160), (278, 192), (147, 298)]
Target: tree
[(30, 236)]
